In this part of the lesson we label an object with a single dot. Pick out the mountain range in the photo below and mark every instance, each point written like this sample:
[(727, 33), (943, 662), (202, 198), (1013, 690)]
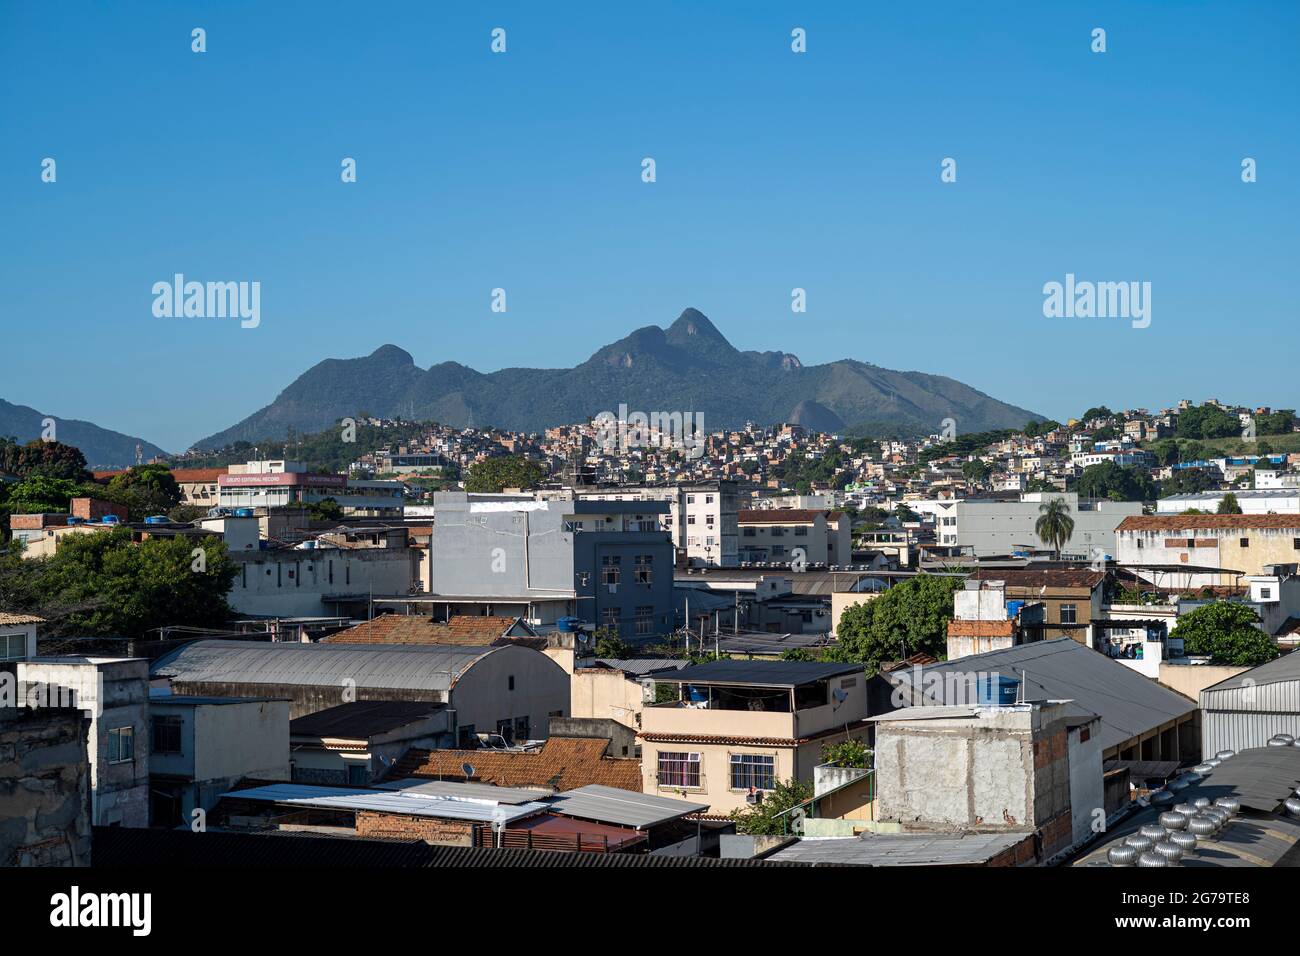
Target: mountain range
[(102, 448), (688, 367)]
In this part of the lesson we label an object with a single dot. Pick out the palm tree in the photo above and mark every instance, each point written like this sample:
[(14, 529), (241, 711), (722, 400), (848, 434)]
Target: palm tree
[(1054, 525)]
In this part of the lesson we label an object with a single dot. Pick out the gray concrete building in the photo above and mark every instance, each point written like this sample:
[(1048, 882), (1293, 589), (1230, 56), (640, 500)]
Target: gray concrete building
[(988, 526), (200, 746), (509, 690), (115, 693), (607, 563)]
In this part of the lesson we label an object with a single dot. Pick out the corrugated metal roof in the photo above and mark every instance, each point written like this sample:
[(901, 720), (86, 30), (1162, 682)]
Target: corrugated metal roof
[(1063, 669), (623, 807), (403, 802), (640, 665), (395, 666), (1239, 729), (477, 791), (1284, 668), (900, 849), (761, 673)]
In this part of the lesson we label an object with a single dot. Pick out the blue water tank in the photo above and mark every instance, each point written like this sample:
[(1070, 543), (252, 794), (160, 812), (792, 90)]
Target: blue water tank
[(243, 512), (111, 519), (73, 519), (994, 690), (157, 519), (568, 624)]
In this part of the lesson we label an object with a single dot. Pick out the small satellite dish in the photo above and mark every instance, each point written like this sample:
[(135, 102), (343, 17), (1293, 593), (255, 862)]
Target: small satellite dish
[(840, 695), (467, 769)]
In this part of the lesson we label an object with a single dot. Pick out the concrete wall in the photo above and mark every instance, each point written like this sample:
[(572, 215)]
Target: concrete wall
[(44, 787), (1087, 789), (511, 682), (292, 583), (597, 692), (1005, 769), (1190, 679), (997, 527)]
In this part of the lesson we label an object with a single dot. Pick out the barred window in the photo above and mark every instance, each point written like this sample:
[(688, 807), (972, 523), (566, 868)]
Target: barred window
[(679, 769), (166, 735), (645, 620), (756, 771)]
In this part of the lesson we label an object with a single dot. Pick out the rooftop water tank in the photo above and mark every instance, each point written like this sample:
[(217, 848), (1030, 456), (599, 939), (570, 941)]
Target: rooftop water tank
[(996, 690), (568, 624), (110, 519), (156, 519), (243, 512)]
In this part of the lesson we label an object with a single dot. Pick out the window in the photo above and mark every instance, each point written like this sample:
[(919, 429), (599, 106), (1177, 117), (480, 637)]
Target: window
[(749, 533), (609, 571), (645, 620), (521, 728), (679, 769), (358, 775), (708, 499), (756, 771), (1244, 542), (506, 729), (1069, 614), (1295, 543), (121, 745), (643, 573), (801, 531), (465, 737), (511, 682), (778, 532), (13, 646), (1265, 594), (609, 617), (167, 735)]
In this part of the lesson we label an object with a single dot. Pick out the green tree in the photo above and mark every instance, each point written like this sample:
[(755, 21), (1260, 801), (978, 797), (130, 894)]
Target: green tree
[(846, 753), (1226, 632), (146, 490), (764, 818), (50, 459), (909, 618), (606, 642), (1109, 480), (976, 471), (493, 475), (1186, 481), (102, 584), (1229, 505), (1054, 525)]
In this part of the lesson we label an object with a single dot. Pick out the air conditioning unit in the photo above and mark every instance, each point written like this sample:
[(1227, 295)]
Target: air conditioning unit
[(754, 796)]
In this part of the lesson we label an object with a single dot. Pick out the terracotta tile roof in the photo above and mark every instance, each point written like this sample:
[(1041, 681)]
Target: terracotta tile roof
[(194, 475), (461, 630), (919, 659), (1206, 522), (1049, 577), (980, 628), (8, 618), (570, 761)]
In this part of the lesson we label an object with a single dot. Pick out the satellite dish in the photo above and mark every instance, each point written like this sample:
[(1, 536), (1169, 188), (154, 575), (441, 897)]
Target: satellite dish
[(467, 769), (840, 695)]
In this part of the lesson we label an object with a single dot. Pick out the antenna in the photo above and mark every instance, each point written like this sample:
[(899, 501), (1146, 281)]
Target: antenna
[(467, 769)]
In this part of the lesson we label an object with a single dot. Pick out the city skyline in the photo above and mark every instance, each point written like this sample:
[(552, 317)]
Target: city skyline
[(775, 171)]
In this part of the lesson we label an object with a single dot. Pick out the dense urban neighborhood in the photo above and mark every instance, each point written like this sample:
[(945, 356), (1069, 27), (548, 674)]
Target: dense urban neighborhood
[(624, 638)]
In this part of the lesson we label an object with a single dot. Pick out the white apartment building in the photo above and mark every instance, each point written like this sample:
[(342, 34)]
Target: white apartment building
[(702, 518), (1260, 501)]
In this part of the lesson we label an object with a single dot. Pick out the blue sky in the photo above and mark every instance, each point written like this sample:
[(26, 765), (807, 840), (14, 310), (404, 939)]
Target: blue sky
[(522, 171)]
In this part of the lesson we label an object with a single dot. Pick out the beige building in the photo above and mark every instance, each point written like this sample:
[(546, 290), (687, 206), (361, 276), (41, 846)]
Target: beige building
[(616, 689), (1234, 543), (741, 726), (780, 534)]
